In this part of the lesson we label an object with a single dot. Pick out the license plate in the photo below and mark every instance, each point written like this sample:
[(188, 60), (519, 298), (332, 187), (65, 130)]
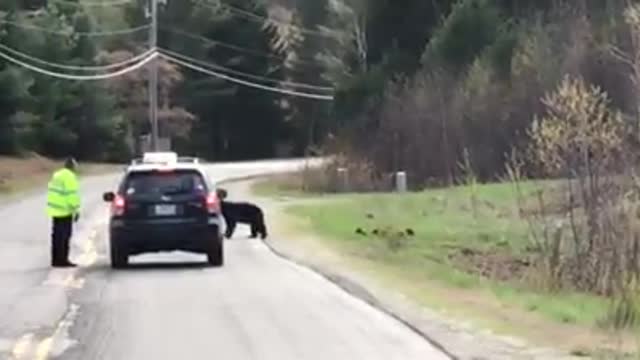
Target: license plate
[(165, 210)]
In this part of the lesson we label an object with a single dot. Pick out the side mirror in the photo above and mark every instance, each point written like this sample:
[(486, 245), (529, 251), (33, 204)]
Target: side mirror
[(222, 193), (108, 196)]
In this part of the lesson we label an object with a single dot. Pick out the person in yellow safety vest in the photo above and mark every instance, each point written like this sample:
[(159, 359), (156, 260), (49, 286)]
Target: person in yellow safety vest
[(63, 207)]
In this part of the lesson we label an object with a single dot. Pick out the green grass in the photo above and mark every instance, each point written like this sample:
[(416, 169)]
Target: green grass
[(444, 224), (441, 219), (569, 308)]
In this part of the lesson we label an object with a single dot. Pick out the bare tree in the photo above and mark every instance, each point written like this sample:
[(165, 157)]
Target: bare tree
[(584, 141), (132, 96)]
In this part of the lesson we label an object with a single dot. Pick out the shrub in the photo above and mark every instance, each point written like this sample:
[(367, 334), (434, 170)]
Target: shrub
[(591, 243)]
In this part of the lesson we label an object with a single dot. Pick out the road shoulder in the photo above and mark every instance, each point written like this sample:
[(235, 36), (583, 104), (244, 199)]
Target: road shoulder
[(460, 340)]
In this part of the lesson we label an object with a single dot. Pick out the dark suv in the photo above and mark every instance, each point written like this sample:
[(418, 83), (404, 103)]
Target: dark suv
[(165, 206)]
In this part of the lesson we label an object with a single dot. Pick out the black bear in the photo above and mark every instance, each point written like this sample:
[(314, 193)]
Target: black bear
[(244, 213)]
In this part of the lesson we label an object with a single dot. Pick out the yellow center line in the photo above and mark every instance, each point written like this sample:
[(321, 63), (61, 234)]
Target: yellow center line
[(89, 251), (22, 346), (43, 350), (69, 281), (72, 282), (89, 254)]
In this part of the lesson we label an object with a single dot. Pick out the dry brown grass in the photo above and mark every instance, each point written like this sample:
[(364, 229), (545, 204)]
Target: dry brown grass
[(20, 174)]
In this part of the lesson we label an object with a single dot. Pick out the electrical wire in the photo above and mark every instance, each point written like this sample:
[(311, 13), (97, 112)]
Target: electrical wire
[(237, 48), (252, 16), (246, 83), (64, 76), (85, 33), (77, 67), (94, 3), (262, 19), (246, 75)]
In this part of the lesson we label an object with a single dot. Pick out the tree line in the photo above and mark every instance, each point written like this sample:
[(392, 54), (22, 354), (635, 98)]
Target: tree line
[(104, 120), (417, 85), (521, 91), (429, 85)]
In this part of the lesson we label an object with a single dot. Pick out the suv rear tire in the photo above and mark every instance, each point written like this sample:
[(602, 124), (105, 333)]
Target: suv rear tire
[(119, 256), (215, 255)]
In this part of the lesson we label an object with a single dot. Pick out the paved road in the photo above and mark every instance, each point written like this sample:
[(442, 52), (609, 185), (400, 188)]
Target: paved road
[(171, 306)]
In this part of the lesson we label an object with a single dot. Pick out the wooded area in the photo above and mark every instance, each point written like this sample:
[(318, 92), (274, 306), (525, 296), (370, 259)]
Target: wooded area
[(471, 78), (417, 85), (103, 120)]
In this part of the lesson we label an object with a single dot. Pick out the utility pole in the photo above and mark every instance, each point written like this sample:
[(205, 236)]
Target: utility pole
[(153, 77)]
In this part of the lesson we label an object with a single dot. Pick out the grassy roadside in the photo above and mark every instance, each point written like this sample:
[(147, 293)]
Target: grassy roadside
[(23, 174), (467, 259)]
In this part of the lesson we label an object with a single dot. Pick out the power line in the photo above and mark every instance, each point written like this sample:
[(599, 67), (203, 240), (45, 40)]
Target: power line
[(255, 17), (247, 83), (246, 75), (64, 76), (250, 15), (94, 3), (84, 33), (77, 67), (237, 48)]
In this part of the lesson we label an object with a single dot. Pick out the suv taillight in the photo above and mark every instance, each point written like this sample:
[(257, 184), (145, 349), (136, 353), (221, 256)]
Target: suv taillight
[(213, 205), (118, 206)]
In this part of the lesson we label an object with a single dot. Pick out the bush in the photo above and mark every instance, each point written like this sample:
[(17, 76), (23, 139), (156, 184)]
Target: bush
[(580, 136), (592, 242)]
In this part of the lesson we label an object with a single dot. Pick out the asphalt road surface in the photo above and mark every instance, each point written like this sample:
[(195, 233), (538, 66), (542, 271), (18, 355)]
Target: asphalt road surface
[(171, 306)]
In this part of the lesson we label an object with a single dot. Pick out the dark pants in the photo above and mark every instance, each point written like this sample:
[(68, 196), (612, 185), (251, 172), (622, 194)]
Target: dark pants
[(60, 237)]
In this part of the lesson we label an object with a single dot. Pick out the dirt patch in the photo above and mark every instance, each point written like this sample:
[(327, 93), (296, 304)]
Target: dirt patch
[(496, 265)]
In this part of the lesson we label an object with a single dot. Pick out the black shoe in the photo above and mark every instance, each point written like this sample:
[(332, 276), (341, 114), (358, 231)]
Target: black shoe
[(65, 264)]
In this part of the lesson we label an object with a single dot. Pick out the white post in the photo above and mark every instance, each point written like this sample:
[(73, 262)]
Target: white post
[(343, 179), (401, 181)]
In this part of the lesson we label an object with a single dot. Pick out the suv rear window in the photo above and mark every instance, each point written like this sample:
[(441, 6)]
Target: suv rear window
[(175, 182)]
